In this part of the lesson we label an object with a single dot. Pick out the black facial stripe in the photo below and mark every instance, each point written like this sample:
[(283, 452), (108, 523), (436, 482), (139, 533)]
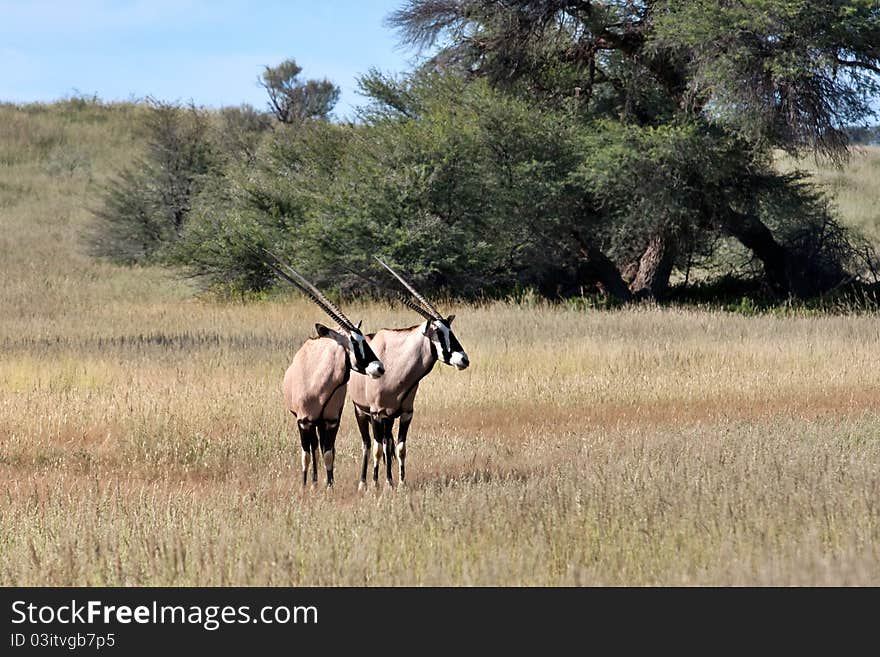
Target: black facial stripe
[(358, 351), (448, 343), (363, 354), (445, 353)]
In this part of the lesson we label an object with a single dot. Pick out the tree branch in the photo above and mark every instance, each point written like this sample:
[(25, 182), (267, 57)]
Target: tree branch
[(605, 270), (857, 64)]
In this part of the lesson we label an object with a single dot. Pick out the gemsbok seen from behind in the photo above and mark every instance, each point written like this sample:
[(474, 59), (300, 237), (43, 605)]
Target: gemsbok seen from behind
[(315, 382)]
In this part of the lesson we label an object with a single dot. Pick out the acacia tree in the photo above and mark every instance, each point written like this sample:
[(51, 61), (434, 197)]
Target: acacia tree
[(293, 100), (754, 74)]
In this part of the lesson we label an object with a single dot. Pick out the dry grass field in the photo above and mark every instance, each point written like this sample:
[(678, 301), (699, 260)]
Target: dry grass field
[(143, 439)]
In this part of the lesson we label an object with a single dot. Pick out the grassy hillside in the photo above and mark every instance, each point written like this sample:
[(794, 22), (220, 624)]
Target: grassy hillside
[(53, 160), (143, 439)]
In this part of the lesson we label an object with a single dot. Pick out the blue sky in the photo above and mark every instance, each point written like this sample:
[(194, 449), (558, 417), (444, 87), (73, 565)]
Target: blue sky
[(210, 52)]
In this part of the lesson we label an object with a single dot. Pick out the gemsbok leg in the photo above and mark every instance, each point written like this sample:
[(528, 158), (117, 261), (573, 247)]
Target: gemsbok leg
[(308, 437), (378, 446), (363, 422), (388, 439), (315, 457), (327, 431), (402, 430)]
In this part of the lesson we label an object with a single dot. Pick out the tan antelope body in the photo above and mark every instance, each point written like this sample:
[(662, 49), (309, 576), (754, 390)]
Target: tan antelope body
[(408, 358), (409, 355), (314, 384)]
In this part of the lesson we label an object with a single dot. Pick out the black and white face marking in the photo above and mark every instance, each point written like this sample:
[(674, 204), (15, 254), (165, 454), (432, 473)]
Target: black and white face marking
[(449, 349), (363, 360)]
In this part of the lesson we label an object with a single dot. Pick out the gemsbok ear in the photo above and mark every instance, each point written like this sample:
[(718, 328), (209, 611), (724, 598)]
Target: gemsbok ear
[(449, 320), (322, 330), (358, 325)]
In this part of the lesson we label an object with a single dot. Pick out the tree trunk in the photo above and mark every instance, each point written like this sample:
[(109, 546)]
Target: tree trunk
[(605, 271), (786, 276), (629, 271), (655, 266)]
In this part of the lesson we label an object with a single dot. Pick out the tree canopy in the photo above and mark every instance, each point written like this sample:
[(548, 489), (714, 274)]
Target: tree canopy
[(563, 145)]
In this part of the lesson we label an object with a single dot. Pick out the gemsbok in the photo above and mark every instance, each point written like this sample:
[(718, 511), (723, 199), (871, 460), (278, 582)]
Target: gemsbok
[(314, 384), (409, 354)]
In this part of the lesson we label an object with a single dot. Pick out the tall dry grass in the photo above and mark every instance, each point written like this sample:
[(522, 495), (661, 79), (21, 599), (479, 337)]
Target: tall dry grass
[(143, 438)]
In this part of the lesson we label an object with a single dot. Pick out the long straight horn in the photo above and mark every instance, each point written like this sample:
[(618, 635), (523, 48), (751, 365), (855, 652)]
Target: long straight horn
[(409, 303), (399, 296), (431, 309), (292, 276)]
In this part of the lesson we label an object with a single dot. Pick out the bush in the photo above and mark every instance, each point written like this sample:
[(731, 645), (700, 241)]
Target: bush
[(146, 206)]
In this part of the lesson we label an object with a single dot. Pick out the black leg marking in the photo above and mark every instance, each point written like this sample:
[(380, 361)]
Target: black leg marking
[(308, 437), (327, 431), (315, 464), (402, 431), (387, 428), (363, 422), (403, 427)]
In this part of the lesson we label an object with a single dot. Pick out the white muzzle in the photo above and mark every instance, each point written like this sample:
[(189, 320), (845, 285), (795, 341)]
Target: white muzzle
[(459, 359), (375, 369)]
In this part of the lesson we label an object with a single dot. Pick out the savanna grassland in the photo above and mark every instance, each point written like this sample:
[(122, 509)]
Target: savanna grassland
[(143, 439)]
